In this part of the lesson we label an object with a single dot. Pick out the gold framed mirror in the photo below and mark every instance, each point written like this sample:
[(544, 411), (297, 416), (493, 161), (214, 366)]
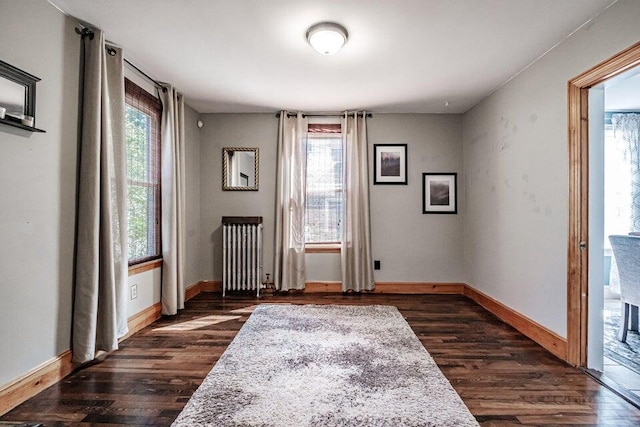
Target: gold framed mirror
[(240, 169)]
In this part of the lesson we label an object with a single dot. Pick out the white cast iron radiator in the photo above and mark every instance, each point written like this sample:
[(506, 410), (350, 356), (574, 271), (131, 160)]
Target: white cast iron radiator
[(241, 253)]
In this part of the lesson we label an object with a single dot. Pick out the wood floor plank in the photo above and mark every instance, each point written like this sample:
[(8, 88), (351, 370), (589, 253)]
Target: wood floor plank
[(502, 376)]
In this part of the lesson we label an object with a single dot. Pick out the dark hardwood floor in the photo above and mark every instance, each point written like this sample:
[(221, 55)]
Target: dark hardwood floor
[(502, 376)]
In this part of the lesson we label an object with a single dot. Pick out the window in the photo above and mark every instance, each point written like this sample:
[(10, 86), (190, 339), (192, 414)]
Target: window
[(617, 188), (324, 184), (142, 136)]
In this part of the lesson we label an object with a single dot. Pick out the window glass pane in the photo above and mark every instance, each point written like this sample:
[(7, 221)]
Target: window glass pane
[(142, 116), (617, 186), (324, 189)]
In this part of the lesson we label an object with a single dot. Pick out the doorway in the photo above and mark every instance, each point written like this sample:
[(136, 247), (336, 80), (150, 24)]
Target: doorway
[(622, 124), (586, 243), (614, 113)]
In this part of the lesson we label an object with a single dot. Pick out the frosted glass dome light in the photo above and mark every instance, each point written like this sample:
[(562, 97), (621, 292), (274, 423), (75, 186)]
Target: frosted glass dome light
[(327, 37)]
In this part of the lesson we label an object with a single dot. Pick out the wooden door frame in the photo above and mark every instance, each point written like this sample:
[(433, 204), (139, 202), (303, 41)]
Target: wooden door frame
[(577, 257)]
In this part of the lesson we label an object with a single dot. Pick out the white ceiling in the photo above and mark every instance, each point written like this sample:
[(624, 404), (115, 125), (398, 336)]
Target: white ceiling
[(402, 55)]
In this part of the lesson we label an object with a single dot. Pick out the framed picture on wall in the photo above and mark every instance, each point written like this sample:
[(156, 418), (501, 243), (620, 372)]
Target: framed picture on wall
[(390, 164), (439, 193)]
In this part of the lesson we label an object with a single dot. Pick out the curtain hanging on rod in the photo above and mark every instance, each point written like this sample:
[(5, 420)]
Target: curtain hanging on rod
[(101, 265), (89, 33), (290, 272), (173, 200), (356, 257)]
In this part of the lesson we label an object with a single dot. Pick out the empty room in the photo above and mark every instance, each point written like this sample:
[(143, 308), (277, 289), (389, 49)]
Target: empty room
[(319, 213)]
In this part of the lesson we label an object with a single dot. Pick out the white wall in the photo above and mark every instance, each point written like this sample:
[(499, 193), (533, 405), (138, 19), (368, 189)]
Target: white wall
[(516, 167), (148, 284), (235, 130), (192, 174), (38, 190), (412, 247), (38, 193)]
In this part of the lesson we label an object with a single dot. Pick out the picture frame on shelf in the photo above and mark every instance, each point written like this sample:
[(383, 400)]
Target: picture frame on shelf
[(440, 193), (390, 164)]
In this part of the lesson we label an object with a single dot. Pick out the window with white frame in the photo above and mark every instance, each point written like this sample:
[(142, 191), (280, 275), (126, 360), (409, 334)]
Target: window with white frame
[(324, 199), (617, 195)]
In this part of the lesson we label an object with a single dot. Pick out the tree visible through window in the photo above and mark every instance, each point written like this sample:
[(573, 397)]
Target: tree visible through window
[(324, 184), (142, 132)]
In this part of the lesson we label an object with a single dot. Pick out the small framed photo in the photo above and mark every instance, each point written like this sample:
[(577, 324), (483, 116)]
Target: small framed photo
[(390, 164), (439, 193)]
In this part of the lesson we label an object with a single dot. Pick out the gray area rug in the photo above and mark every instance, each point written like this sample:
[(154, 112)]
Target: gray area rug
[(625, 353), (312, 365)]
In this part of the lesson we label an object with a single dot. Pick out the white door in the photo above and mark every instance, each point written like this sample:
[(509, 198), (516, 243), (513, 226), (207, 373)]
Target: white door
[(595, 338)]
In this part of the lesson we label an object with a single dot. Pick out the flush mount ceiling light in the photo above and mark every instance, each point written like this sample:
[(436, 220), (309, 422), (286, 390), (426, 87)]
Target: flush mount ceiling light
[(327, 37)]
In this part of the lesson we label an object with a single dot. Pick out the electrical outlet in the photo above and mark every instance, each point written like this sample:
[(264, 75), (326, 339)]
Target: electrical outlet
[(134, 291), (376, 264)]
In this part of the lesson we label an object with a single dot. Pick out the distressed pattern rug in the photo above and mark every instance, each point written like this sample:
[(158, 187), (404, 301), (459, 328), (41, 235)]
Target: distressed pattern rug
[(626, 353), (313, 365)]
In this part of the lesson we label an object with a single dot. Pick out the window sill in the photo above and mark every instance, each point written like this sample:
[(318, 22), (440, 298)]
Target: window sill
[(322, 248), (144, 266)]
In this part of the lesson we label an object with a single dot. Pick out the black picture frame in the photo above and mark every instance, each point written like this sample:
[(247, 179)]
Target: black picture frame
[(390, 164), (440, 193)]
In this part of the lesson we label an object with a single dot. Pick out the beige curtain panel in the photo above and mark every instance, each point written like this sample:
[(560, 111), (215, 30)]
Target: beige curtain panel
[(100, 303), (290, 270), (172, 156), (356, 258)]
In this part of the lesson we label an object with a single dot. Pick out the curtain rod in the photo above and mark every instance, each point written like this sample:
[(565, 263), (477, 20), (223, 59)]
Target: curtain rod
[(88, 32), (327, 114), (144, 74)]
